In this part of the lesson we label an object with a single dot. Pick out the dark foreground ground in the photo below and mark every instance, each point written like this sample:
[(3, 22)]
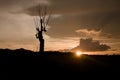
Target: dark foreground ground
[(23, 64)]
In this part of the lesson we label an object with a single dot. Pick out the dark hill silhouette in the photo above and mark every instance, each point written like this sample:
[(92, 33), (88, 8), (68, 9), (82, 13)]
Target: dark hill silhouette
[(24, 63)]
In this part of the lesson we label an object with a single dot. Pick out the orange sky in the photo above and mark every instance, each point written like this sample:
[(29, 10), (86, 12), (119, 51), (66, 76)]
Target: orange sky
[(70, 21)]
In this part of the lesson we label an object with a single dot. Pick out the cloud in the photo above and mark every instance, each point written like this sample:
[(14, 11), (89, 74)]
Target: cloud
[(16, 5), (82, 6), (71, 20), (88, 33), (90, 45)]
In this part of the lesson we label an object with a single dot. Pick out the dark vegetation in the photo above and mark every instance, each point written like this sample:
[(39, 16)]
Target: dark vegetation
[(24, 63)]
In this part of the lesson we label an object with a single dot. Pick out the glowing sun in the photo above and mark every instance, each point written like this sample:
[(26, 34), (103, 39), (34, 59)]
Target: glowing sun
[(78, 53)]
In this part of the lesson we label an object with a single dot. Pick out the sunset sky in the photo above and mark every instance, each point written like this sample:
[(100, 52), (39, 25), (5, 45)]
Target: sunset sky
[(70, 21)]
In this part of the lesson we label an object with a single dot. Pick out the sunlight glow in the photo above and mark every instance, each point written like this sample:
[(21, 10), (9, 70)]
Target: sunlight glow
[(78, 53)]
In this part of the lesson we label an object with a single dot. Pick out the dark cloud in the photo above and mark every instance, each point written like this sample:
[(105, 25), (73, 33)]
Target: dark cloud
[(83, 14), (66, 25), (18, 5), (82, 6), (90, 45)]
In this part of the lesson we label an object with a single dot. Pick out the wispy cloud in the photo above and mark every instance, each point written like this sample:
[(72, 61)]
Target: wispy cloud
[(88, 33)]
